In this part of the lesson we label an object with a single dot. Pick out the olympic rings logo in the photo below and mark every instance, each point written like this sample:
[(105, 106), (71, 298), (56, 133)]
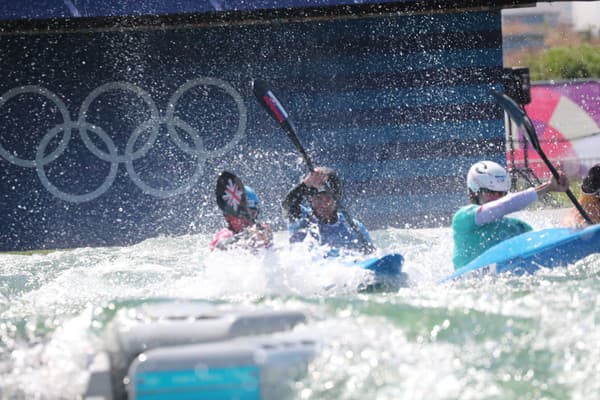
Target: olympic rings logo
[(112, 155)]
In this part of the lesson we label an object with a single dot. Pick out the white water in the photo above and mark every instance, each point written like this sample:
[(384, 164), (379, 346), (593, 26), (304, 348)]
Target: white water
[(529, 337)]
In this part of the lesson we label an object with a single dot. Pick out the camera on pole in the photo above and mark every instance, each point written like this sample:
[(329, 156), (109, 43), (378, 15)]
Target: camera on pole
[(517, 84)]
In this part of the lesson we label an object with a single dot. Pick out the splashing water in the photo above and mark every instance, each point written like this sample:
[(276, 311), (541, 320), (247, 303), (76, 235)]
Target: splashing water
[(503, 337)]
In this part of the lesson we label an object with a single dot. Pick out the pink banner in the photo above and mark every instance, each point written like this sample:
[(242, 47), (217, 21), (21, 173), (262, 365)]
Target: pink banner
[(566, 116)]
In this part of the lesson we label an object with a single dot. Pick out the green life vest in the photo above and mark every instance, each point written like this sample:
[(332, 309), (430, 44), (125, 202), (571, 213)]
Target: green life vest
[(470, 239)]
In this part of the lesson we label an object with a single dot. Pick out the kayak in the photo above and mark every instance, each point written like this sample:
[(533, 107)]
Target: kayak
[(317, 269), (389, 264), (528, 252), (184, 350), (384, 273)]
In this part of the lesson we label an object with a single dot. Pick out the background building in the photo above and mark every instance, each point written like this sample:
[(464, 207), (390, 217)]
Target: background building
[(535, 28)]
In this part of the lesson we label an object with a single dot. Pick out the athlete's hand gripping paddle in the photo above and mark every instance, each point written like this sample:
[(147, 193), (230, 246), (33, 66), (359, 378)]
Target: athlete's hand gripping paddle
[(518, 115), (266, 98)]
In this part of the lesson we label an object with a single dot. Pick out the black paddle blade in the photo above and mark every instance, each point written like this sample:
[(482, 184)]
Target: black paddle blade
[(231, 196), (517, 114)]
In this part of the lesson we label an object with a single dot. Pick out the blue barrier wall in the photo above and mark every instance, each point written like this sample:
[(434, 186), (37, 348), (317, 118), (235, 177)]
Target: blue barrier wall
[(41, 9), (110, 136)]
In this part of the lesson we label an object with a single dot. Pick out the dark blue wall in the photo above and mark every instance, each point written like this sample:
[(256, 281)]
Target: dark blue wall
[(112, 136), (29, 9), (43, 9)]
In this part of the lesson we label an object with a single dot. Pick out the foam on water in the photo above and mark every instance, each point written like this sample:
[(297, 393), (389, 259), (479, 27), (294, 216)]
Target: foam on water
[(504, 337)]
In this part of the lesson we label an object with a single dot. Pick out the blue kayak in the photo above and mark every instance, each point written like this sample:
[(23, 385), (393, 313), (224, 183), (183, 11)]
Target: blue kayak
[(390, 264), (386, 271), (526, 253), (378, 274)]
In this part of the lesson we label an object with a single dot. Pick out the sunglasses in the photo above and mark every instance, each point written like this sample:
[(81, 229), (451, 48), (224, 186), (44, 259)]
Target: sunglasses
[(487, 191)]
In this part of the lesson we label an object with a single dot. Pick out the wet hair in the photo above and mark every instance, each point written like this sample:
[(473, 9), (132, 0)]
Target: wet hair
[(473, 197)]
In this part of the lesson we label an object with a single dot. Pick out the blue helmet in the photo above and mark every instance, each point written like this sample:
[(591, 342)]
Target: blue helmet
[(252, 198)]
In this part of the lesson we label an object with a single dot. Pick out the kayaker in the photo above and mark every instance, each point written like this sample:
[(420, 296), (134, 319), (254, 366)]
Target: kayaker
[(244, 231), (589, 200), (482, 224), (312, 209)]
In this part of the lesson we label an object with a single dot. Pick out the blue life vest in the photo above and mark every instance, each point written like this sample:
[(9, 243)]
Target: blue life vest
[(338, 235)]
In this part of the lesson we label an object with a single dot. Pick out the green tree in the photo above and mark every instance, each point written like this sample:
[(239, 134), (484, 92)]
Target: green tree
[(565, 63)]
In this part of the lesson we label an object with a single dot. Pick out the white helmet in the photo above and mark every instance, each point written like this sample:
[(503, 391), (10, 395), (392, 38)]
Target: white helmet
[(488, 175)]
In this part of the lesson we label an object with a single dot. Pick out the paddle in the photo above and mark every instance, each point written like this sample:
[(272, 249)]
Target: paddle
[(231, 196), (274, 108), (272, 105), (518, 115)]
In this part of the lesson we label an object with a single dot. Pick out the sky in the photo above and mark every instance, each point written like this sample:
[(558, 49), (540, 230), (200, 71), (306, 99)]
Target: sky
[(586, 14)]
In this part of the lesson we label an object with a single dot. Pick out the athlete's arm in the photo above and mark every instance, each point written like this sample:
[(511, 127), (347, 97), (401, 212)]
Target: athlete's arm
[(292, 209), (494, 210), (220, 240), (369, 246), (260, 235), (364, 231)]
